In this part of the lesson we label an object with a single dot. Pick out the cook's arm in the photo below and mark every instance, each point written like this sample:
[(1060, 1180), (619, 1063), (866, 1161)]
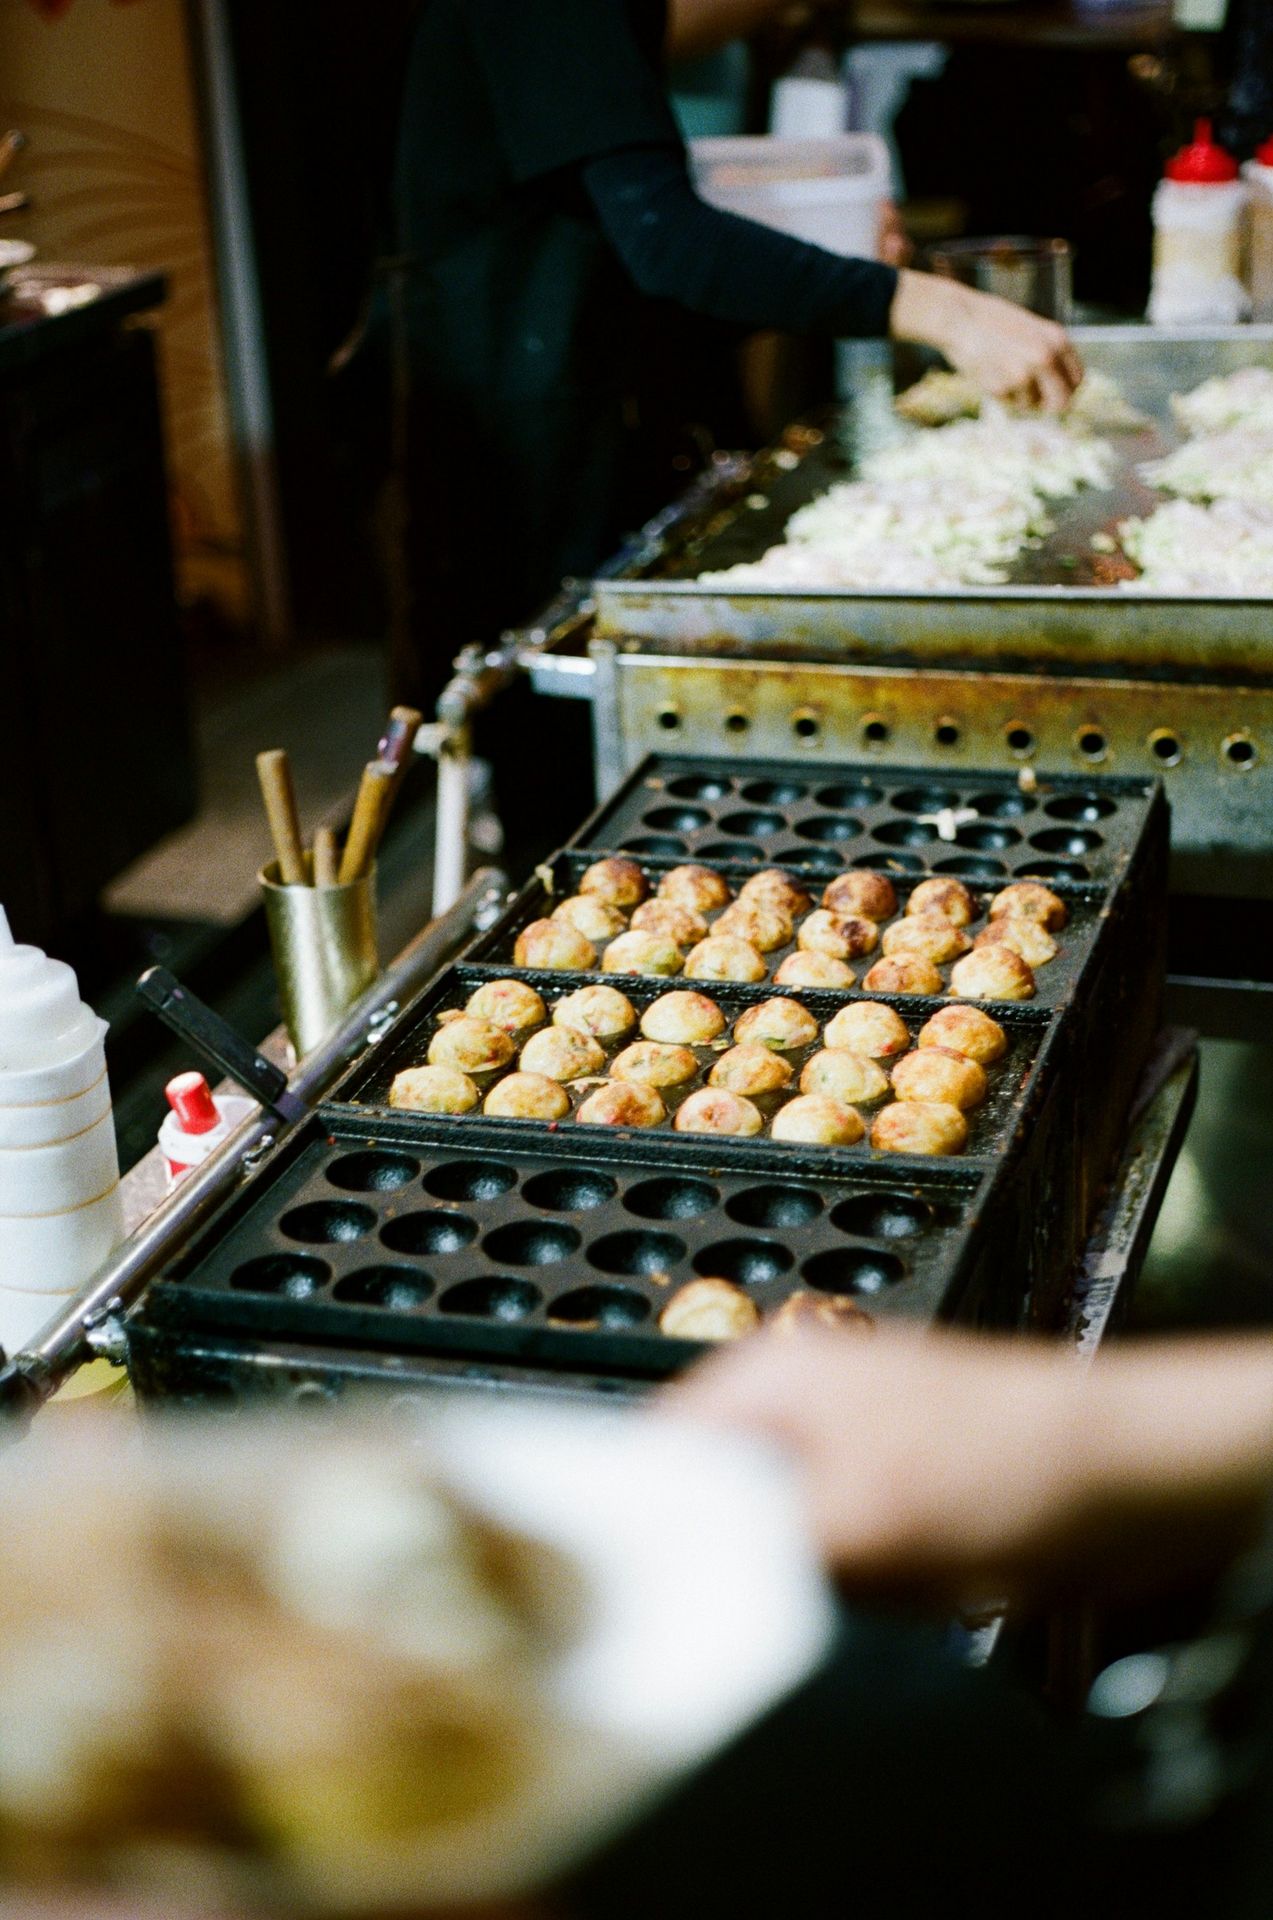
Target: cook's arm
[(696, 27)]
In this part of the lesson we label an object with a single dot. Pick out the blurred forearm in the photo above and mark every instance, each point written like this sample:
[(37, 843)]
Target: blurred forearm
[(696, 27)]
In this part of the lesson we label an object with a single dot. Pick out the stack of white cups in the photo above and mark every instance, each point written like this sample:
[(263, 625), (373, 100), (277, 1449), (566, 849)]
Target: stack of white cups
[(61, 1214)]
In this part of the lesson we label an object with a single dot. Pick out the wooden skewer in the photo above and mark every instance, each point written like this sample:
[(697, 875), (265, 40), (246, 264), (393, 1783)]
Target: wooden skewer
[(371, 812), (275, 774), (326, 858), (395, 747)]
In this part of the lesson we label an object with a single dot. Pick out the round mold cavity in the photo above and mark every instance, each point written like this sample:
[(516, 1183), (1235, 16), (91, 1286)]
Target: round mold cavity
[(1082, 807), (322, 1222), (662, 844), (893, 862), (470, 1180), (429, 1232), (905, 833), (502, 1298), (674, 1198), (747, 1262), (531, 1243), (989, 838), (924, 799), (829, 826), (972, 866), (1056, 870), (773, 793), (883, 1216), (676, 819), (810, 859), (1003, 806), (732, 850), (295, 1275), (846, 799), (699, 786), (636, 1252), (1074, 841), (853, 1270), (569, 1190), (774, 1206), (373, 1172), (745, 824), (399, 1288), (601, 1307)]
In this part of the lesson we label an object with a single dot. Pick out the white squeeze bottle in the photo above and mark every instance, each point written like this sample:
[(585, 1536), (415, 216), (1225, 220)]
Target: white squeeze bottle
[(1199, 225), (61, 1213)]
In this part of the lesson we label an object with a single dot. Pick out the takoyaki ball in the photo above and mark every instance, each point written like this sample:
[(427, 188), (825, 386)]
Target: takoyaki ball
[(527, 1096), (618, 881), (774, 888), (472, 1045), (777, 1023), (992, 973), (603, 1012), (509, 1004), (950, 899), (717, 1110), (810, 1309), (843, 936), (934, 1073), (655, 1064), (683, 1018), (554, 944), (1029, 938), (696, 887), (723, 957), (433, 1090), (878, 1032), (818, 1121), (903, 973), (750, 1070), (561, 1053), (642, 953), (965, 1030), (919, 1126), (861, 895), (1031, 900), (668, 917), (926, 934), (761, 923), (593, 918), (851, 1078), (709, 1310), (813, 970), (623, 1103)]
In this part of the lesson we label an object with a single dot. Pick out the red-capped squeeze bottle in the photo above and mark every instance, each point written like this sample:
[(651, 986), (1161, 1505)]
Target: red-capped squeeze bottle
[(198, 1122), (1199, 228)]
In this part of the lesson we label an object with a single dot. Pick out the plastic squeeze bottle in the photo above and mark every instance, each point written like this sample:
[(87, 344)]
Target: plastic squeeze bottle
[(1199, 223), (1258, 174), (197, 1124), (61, 1213)]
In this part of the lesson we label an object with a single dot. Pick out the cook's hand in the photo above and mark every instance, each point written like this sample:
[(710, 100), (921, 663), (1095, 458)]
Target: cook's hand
[(892, 242), (1005, 350)]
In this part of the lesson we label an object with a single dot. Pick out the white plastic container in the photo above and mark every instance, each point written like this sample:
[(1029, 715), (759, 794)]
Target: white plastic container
[(197, 1123), (1258, 174), (826, 191), (1199, 211)]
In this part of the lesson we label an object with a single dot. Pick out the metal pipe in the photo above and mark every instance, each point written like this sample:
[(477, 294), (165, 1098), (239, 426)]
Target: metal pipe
[(33, 1375), (451, 834)]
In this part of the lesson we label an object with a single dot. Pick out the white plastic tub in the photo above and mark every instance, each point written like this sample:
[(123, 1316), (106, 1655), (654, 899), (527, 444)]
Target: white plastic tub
[(827, 191)]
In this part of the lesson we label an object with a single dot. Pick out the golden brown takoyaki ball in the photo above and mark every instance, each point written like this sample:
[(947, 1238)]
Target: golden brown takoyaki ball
[(810, 1309), (709, 1310), (696, 887), (716, 1110), (655, 1064), (1029, 938), (527, 1096), (1031, 900), (934, 1073), (965, 1030), (595, 919), (903, 973), (992, 973), (775, 888), (844, 938), (683, 1018), (555, 944), (861, 895), (950, 899), (919, 1126), (561, 1053), (762, 924), (472, 1045), (722, 957), (623, 1103), (813, 970), (642, 953), (750, 1070), (603, 1012), (779, 1023), (819, 1121), (433, 1090), (509, 1004), (668, 917), (926, 934), (854, 1079), (617, 881), (865, 1027)]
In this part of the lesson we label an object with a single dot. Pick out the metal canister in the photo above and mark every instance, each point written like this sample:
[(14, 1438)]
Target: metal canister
[(325, 951)]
